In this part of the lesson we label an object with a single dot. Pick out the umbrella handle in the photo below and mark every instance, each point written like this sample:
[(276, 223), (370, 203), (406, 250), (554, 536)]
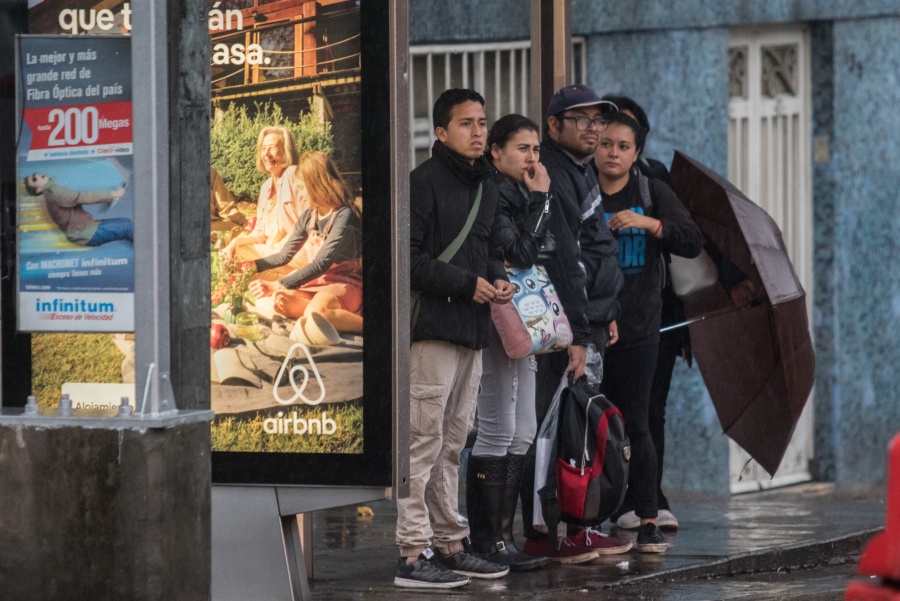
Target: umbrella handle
[(705, 316)]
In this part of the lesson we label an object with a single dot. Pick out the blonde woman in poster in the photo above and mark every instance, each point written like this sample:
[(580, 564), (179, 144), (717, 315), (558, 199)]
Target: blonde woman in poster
[(328, 240), (278, 208)]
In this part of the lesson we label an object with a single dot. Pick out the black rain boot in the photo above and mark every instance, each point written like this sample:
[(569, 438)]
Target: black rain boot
[(515, 471), (485, 485), (527, 492)]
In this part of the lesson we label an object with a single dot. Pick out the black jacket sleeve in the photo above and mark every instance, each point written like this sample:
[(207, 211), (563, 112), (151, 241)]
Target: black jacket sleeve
[(567, 274), (681, 236), (565, 266), (520, 231), (604, 280)]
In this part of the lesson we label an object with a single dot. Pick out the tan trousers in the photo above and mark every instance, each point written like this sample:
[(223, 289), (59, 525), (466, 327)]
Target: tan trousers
[(443, 385)]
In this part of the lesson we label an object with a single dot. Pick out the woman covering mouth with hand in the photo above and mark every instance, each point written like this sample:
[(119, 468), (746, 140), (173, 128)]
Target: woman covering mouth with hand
[(507, 421)]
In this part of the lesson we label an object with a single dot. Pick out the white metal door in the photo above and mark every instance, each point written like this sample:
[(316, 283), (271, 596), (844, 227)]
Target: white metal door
[(769, 160)]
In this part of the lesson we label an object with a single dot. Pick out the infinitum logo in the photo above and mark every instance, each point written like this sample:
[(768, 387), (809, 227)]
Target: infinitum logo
[(74, 309)]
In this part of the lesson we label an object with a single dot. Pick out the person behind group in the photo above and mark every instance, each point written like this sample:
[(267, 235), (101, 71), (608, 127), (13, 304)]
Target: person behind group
[(452, 327), (277, 209), (586, 271), (328, 238), (66, 209), (647, 219), (675, 342), (507, 422), (225, 219)]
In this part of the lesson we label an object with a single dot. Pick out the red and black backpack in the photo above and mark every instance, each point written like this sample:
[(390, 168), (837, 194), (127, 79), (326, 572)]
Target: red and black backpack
[(590, 473)]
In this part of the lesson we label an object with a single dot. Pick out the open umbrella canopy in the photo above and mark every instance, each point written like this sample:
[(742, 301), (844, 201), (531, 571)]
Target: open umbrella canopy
[(757, 362)]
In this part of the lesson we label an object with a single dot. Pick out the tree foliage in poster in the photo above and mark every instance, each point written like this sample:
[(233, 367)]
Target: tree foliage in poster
[(233, 135)]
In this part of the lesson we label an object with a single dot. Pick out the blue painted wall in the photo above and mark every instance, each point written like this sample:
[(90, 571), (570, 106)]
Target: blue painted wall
[(437, 21), (859, 303), (823, 318), (671, 56), (596, 16)]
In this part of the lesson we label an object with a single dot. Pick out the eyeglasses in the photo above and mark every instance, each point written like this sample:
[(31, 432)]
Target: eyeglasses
[(584, 124)]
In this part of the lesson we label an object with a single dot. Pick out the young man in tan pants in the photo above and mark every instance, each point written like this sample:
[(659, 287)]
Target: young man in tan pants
[(451, 328)]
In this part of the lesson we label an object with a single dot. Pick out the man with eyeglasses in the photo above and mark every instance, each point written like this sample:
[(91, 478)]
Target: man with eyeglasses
[(576, 119), (587, 263)]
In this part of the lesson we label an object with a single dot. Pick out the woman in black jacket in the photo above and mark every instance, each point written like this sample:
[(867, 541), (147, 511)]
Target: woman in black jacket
[(647, 219), (506, 404)]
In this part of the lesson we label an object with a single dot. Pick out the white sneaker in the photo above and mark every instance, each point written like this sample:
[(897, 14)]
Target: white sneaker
[(666, 520), (629, 521)]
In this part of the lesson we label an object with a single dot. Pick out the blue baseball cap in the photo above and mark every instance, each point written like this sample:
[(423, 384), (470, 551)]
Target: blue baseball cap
[(577, 96)]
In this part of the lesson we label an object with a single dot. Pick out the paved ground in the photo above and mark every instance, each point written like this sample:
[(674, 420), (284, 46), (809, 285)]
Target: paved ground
[(800, 542)]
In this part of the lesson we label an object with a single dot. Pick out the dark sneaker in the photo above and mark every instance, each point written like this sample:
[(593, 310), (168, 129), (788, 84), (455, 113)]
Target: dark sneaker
[(568, 552), (426, 572), (650, 539), (468, 564), (602, 543)]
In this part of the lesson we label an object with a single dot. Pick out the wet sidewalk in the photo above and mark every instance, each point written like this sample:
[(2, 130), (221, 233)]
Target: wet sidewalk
[(777, 531)]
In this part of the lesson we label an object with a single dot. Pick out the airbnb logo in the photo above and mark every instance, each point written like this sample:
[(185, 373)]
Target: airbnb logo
[(300, 387)]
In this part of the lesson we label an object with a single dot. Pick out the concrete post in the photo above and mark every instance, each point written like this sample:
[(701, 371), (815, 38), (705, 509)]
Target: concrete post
[(110, 505), (105, 508), (171, 62)]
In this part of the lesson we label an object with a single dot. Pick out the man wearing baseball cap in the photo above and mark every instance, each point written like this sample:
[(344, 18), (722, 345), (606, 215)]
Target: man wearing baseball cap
[(575, 121), (587, 262)]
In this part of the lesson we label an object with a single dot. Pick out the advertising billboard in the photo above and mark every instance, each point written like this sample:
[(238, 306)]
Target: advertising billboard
[(287, 286), (299, 235), (75, 229)]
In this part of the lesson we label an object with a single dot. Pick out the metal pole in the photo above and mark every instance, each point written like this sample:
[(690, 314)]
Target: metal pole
[(149, 62), (551, 53), (562, 45), (399, 77)]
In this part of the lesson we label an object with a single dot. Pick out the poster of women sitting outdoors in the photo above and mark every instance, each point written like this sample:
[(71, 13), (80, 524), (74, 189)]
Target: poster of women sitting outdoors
[(286, 234)]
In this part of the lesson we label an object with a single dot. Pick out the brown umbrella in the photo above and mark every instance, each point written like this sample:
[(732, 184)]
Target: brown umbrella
[(757, 362)]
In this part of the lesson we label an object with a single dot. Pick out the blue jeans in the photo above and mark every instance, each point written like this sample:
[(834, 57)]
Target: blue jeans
[(506, 409), (109, 230)]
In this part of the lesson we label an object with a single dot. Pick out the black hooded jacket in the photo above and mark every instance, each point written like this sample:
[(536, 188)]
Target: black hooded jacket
[(521, 231), (581, 233), (441, 192)]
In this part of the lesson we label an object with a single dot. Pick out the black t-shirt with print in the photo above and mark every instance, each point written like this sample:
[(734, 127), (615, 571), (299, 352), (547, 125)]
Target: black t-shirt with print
[(640, 256)]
